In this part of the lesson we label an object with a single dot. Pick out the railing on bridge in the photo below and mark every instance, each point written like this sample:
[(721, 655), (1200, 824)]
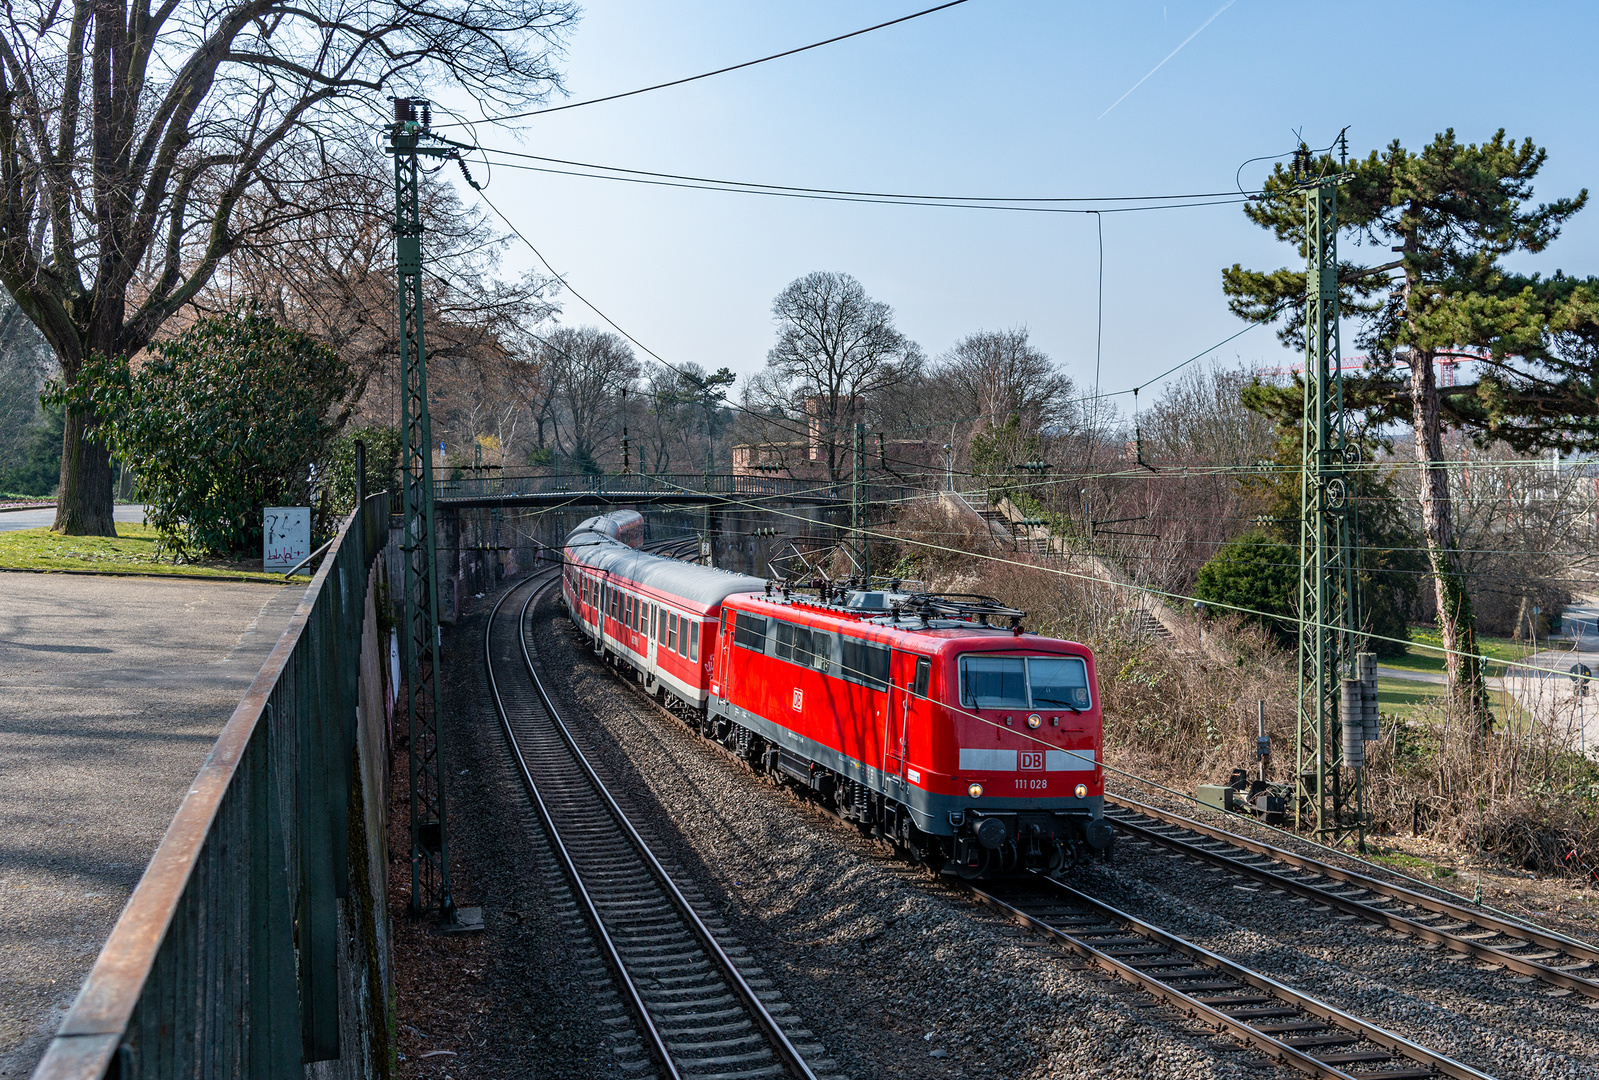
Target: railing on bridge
[(225, 961), (475, 485)]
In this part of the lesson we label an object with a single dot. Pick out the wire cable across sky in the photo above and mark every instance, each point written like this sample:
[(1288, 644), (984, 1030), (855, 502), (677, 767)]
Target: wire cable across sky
[(718, 71)]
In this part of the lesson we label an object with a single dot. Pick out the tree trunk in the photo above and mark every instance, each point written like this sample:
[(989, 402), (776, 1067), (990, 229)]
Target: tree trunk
[(84, 505), (1456, 622)]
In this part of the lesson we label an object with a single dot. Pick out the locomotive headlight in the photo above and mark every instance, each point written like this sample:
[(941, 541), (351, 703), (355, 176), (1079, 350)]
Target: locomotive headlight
[(975, 790), (1034, 720), (1082, 791)]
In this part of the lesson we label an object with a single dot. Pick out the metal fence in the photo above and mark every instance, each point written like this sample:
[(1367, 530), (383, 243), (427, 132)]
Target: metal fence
[(226, 960), (473, 485)]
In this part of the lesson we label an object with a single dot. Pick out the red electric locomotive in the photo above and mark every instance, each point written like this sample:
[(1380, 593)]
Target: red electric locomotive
[(972, 746)]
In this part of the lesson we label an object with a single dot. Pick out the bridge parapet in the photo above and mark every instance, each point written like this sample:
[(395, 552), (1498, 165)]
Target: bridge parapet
[(508, 487)]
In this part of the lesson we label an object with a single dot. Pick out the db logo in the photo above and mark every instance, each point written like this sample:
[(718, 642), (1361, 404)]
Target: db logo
[(1032, 759), (799, 700)]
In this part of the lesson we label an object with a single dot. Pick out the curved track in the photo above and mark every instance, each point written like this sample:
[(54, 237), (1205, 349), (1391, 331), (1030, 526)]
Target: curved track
[(1265, 1015), (1526, 950), (696, 1012)]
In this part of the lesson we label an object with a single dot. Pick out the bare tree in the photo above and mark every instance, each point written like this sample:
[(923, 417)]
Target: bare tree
[(329, 270), (589, 369), (132, 133), (836, 347), (993, 374), (1201, 419)]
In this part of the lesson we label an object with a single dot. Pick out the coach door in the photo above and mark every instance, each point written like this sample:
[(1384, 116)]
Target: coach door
[(722, 673), (909, 711)]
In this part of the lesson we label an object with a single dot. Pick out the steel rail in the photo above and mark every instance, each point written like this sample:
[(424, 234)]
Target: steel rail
[(782, 1048), (1263, 1037), (654, 1041), (1522, 935)]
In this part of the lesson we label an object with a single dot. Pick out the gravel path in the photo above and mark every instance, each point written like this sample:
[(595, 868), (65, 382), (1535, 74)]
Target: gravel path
[(897, 974)]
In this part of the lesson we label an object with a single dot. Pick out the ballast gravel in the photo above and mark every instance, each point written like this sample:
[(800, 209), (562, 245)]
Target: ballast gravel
[(1486, 1017)]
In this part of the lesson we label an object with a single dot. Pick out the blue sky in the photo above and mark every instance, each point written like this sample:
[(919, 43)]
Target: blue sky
[(1007, 97)]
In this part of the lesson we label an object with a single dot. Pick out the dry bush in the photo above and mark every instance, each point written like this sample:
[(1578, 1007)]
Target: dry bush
[(1529, 805)]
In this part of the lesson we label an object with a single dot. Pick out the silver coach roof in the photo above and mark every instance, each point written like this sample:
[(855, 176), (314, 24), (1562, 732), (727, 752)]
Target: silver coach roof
[(700, 584)]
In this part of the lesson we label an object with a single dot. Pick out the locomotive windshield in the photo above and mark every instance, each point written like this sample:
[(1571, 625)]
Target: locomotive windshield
[(1024, 682)]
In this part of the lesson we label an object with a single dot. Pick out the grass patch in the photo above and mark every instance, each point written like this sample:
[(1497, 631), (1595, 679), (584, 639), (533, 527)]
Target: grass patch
[(131, 551), (1400, 697), (1412, 865), (1501, 651)]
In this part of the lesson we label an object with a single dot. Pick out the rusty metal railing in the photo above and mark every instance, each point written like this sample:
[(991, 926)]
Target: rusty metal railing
[(225, 961)]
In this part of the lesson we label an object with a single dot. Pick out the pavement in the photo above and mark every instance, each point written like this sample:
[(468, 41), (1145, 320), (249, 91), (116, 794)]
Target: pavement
[(112, 691), (43, 519)]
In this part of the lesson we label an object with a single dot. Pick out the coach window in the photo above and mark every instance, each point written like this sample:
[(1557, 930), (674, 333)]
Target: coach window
[(660, 633), (671, 634), (694, 640)]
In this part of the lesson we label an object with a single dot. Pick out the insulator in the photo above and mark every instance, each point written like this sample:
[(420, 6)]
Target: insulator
[(1354, 745), (427, 115)]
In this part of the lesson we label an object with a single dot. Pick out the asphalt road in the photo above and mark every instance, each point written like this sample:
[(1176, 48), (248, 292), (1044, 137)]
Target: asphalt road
[(112, 691), (38, 519)]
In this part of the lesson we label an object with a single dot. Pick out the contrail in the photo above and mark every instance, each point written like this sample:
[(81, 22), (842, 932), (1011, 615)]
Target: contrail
[(1174, 52)]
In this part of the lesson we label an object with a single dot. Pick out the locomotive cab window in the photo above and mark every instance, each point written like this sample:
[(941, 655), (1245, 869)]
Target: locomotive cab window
[(1024, 682), (924, 673), (1058, 682)]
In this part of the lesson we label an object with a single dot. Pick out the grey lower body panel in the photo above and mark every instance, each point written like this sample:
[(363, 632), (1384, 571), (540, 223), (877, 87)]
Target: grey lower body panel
[(934, 814)]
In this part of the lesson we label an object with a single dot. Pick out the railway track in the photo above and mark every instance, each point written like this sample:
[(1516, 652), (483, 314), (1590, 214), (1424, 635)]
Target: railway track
[(1554, 959), (1265, 1015), (697, 1013)]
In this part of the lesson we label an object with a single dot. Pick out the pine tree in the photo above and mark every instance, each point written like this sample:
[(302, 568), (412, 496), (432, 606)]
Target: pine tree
[(1449, 214)]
